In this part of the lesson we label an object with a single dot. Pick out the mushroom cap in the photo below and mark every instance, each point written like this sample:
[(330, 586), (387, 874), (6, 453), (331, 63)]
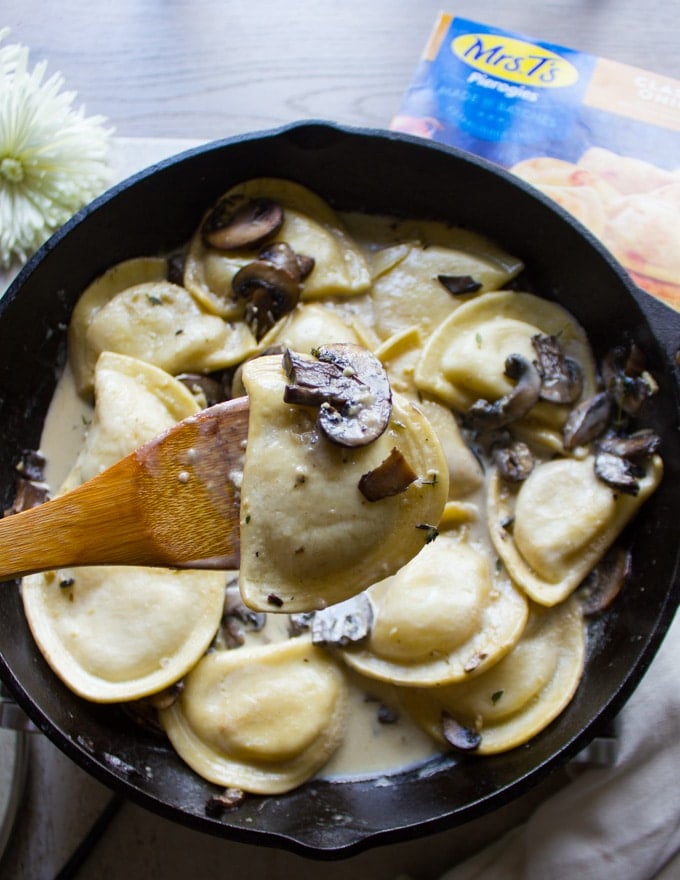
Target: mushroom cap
[(232, 225), (349, 385)]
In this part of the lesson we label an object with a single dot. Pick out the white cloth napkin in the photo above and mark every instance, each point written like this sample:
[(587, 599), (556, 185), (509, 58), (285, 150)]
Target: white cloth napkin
[(620, 822)]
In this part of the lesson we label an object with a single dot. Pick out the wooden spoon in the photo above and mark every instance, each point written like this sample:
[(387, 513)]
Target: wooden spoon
[(174, 502)]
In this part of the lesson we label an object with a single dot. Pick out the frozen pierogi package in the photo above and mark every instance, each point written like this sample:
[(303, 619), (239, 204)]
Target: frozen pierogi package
[(599, 137)]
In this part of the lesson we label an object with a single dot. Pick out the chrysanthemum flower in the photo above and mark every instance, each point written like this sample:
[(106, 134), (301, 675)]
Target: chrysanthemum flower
[(53, 159)]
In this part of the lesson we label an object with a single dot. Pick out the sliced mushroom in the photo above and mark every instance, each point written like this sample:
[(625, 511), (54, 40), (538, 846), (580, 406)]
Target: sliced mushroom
[(515, 461), (619, 473), (485, 416), (30, 486), (211, 388), (31, 465), (606, 580), (627, 380), (561, 377), (587, 420), (233, 225), (462, 738), (271, 291), (343, 624), (283, 256), (635, 447), (300, 623), (392, 477), (238, 618), (457, 285), (28, 493), (350, 387)]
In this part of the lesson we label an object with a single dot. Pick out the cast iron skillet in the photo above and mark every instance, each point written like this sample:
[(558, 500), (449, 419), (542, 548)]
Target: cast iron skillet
[(156, 211)]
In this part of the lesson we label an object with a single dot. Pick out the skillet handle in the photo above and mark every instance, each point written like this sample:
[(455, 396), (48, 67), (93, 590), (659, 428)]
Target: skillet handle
[(665, 322)]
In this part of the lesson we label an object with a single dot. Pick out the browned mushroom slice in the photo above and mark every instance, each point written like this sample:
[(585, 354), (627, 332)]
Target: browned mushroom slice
[(350, 387), (587, 420), (393, 476), (345, 623), (605, 581), (561, 377), (484, 416), (283, 256), (462, 738), (627, 380), (515, 461), (619, 473), (233, 224), (635, 447), (30, 487), (209, 387), (29, 493), (457, 285), (271, 291)]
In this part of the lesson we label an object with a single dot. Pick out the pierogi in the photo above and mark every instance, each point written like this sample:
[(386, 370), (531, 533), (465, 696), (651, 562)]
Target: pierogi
[(427, 561), (309, 538), (448, 615), (553, 531), (121, 633), (261, 719), (510, 703)]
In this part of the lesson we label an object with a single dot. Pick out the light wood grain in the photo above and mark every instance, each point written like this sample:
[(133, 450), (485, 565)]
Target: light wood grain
[(210, 68), (172, 502)]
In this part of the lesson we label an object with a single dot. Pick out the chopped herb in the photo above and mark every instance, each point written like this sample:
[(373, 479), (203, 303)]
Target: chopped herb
[(179, 332), (67, 582), (154, 300), (478, 339), (495, 696), (432, 532), (387, 715), (247, 520)]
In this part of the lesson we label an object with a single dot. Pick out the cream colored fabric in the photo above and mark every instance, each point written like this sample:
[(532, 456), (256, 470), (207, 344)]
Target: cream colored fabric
[(621, 822)]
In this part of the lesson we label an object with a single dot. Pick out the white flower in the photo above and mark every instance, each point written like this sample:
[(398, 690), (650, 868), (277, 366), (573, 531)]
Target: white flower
[(53, 160)]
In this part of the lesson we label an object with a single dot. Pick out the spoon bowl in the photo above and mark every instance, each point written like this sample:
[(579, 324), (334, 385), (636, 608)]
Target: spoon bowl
[(172, 502)]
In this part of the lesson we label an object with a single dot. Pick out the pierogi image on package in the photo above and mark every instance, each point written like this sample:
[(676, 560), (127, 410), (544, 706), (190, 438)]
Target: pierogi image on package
[(437, 472), (630, 204)]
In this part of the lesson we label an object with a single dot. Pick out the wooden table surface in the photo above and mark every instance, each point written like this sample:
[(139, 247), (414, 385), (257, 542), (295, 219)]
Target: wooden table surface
[(206, 69)]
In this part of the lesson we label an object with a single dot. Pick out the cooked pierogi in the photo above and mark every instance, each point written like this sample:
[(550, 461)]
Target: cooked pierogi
[(261, 719), (465, 359), (135, 401), (161, 323), (119, 633), (553, 530), (310, 227), (309, 537), (518, 697), (446, 615), (82, 356), (398, 293)]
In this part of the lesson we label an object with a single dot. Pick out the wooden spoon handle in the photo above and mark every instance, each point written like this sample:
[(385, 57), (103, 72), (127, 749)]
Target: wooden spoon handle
[(79, 528), (174, 502)]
